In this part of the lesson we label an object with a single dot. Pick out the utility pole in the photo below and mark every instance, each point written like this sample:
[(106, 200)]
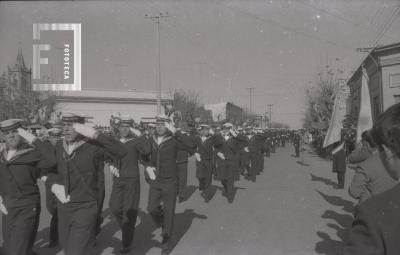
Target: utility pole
[(270, 113), (156, 19), (200, 66), (251, 98)]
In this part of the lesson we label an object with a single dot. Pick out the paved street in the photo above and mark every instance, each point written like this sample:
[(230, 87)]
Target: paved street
[(291, 209)]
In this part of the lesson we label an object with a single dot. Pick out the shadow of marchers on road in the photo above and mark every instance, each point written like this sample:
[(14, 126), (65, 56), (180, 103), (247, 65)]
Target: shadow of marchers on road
[(327, 245), (42, 240), (183, 222), (144, 237), (105, 238), (347, 205), (301, 163), (323, 180), (344, 222), (189, 191)]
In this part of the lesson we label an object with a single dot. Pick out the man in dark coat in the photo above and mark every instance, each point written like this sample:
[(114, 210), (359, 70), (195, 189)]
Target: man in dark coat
[(21, 160), (339, 165), (125, 193), (78, 181), (204, 154), (182, 161), (255, 150), (54, 135), (296, 143), (162, 171), (376, 227), (226, 164)]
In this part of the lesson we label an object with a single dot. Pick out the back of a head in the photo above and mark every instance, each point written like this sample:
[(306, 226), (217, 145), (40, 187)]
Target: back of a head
[(386, 129)]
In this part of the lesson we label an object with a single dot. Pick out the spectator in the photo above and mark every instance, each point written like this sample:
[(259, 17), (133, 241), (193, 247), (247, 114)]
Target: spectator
[(376, 227), (370, 177)]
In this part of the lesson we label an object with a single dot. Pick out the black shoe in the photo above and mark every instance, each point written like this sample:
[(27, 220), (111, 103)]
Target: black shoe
[(338, 187), (166, 244), (125, 250), (52, 244), (181, 200)]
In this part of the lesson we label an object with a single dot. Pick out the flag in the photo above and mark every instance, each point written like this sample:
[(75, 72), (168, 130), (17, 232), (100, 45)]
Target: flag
[(365, 116), (338, 115), (337, 149)]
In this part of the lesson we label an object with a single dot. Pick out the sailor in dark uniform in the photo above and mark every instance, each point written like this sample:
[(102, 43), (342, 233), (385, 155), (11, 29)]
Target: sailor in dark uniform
[(162, 171), (125, 194), (21, 160), (78, 181)]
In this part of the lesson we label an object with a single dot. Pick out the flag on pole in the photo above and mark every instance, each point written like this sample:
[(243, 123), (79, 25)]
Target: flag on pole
[(338, 115), (365, 116)]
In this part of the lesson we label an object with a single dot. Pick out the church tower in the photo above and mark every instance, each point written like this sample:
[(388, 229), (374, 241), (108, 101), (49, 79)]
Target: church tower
[(21, 73)]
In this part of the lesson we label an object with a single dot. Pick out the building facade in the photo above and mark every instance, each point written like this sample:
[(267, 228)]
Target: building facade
[(99, 104), (225, 111), (383, 69)]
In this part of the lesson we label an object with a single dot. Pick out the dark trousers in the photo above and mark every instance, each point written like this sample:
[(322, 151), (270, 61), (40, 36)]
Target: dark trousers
[(341, 179), (260, 163), (77, 226), (245, 162), (254, 166), (297, 150), (163, 191), (20, 226), (182, 178), (204, 175), (124, 204), (53, 233), (228, 181), (51, 205), (229, 189)]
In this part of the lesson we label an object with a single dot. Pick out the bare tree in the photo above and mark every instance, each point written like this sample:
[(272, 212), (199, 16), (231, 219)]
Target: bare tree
[(320, 98)]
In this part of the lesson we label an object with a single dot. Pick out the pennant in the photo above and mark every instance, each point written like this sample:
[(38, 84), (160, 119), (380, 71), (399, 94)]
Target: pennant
[(338, 116), (365, 116), (337, 149)]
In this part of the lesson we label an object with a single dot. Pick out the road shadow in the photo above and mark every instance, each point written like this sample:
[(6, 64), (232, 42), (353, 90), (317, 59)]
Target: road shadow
[(346, 205), (327, 245), (302, 164), (189, 191), (326, 181), (235, 190), (183, 222), (212, 192), (144, 236), (42, 240), (105, 239), (343, 221)]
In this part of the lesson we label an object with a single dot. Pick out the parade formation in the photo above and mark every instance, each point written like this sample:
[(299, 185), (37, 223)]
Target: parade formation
[(70, 157)]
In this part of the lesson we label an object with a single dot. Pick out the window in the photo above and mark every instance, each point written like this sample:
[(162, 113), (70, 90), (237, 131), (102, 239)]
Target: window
[(394, 80)]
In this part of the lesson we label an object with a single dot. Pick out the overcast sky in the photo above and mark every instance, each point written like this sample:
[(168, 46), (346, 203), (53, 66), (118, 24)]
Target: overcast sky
[(215, 48)]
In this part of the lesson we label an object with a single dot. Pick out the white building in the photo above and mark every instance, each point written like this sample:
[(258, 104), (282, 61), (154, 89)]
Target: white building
[(100, 104)]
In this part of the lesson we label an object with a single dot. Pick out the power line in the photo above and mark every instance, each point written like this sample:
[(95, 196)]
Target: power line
[(277, 24), (337, 16), (385, 28)]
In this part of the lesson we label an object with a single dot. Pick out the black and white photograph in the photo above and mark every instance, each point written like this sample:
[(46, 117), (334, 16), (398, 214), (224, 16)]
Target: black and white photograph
[(200, 127)]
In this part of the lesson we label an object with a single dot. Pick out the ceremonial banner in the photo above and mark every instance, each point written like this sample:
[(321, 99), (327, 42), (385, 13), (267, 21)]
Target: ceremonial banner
[(338, 115), (365, 116), (337, 149)]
